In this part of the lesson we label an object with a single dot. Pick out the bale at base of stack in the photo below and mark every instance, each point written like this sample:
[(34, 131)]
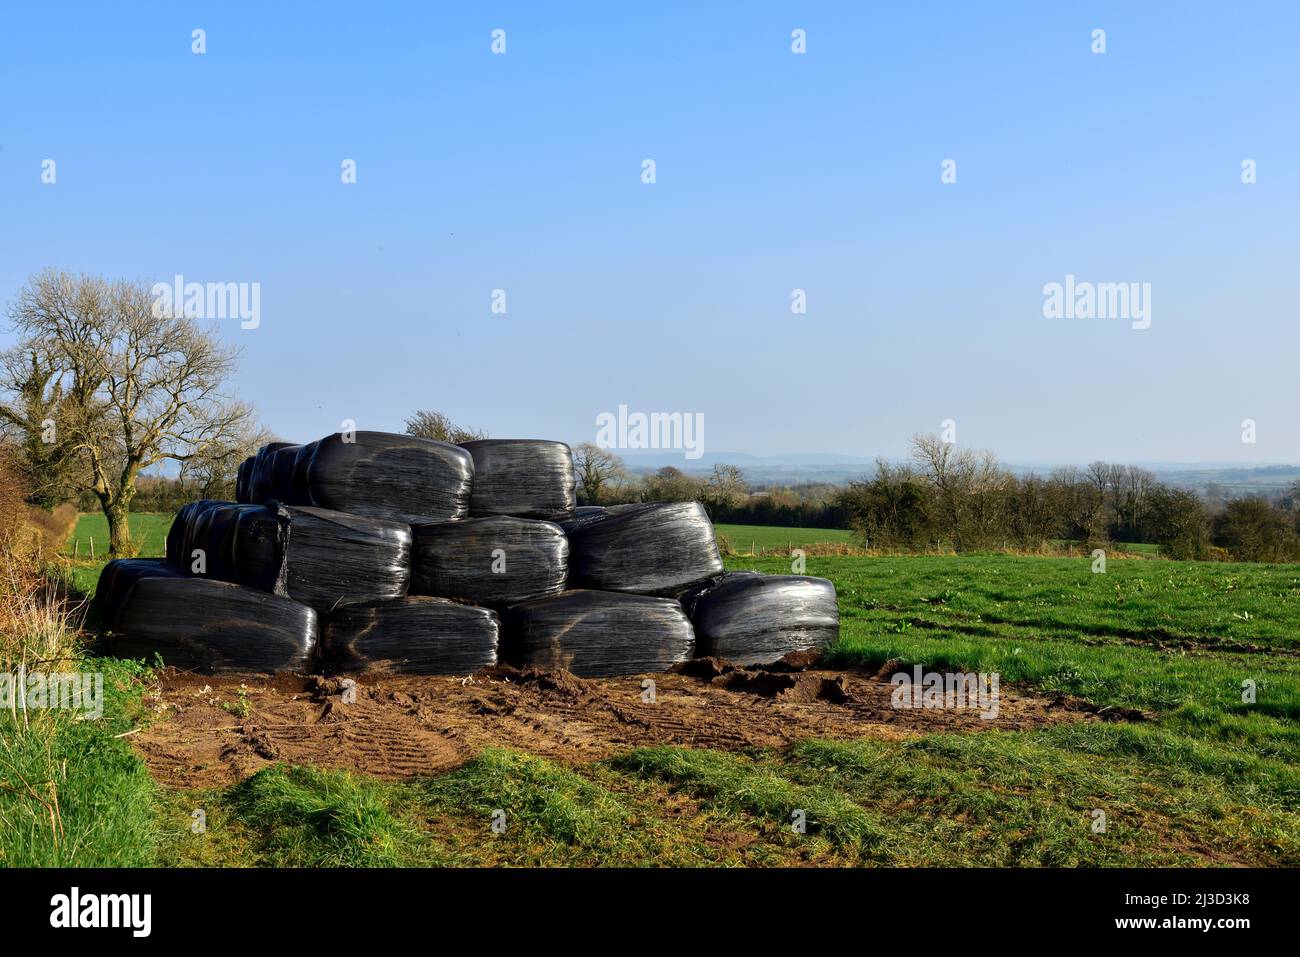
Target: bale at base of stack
[(358, 553), (198, 624), (749, 619), (416, 635), (596, 633)]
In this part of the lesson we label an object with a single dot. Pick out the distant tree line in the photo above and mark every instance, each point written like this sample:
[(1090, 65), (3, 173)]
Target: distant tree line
[(943, 497), (946, 497)]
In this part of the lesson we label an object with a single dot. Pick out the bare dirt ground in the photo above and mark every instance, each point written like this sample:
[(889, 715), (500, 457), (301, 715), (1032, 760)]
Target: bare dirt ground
[(215, 731)]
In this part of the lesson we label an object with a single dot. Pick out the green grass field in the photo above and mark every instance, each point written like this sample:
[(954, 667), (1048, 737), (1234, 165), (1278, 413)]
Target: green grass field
[(1207, 779), (148, 534), (744, 537)]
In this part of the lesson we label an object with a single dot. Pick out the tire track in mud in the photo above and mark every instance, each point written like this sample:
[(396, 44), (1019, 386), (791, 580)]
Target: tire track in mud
[(396, 727)]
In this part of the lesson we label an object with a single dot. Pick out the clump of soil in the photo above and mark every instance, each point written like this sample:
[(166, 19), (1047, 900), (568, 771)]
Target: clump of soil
[(396, 726)]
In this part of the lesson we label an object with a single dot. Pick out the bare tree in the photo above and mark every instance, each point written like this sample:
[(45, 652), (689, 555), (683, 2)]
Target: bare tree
[(212, 471), (972, 490), (138, 388), (596, 469), (428, 424), (727, 487)]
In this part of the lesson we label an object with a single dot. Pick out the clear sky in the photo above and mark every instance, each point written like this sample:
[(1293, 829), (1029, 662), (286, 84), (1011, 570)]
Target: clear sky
[(774, 171)]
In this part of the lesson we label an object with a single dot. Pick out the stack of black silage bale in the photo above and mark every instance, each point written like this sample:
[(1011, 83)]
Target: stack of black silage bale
[(369, 551)]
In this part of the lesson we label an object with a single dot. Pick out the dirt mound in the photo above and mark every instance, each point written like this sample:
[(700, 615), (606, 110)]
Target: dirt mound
[(214, 731)]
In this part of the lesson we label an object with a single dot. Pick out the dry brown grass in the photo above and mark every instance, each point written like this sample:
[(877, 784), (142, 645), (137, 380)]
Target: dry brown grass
[(36, 621), (50, 530)]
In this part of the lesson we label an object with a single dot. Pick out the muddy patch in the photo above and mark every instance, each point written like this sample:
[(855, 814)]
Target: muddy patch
[(215, 731)]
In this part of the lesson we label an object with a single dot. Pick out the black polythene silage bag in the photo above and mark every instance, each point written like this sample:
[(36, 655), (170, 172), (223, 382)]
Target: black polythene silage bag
[(214, 532), (299, 492), (496, 560), (749, 619), (527, 478), (118, 577), (242, 478), (211, 532), (593, 633), (582, 515), (651, 549), (198, 624), (180, 537), (207, 526), (416, 635), (261, 482), (282, 467), (401, 478), (320, 557)]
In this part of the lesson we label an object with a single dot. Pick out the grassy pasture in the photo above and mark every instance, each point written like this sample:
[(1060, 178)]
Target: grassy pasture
[(148, 533), (742, 538), (1207, 779)]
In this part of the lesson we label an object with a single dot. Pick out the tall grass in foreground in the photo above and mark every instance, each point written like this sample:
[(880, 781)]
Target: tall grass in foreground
[(71, 793)]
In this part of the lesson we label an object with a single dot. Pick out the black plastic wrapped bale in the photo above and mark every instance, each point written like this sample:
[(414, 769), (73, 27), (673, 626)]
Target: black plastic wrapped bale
[(595, 633), (749, 618), (198, 624), (322, 558), (282, 466), (214, 532), (242, 478), (299, 485), (417, 635), (261, 482), (179, 536), (654, 549), (118, 577), (401, 478), (583, 515), (497, 560), (197, 557), (528, 478)]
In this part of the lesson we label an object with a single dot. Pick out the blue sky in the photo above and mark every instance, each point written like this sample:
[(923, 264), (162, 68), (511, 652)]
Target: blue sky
[(775, 171)]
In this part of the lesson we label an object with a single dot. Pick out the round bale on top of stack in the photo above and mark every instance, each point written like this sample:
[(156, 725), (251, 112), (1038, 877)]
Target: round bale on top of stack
[(368, 551)]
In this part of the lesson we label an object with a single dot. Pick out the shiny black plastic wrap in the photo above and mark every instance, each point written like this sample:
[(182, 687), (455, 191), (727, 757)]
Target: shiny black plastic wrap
[(320, 557), (651, 549), (583, 515), (179, 549), (299, 491), (528, 478), (242, 479), (118, 577), (749, 619), (595, 633), (497, 560), (261, 482), (417, 635), (198, 624), (282, 466), (401, 478)]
